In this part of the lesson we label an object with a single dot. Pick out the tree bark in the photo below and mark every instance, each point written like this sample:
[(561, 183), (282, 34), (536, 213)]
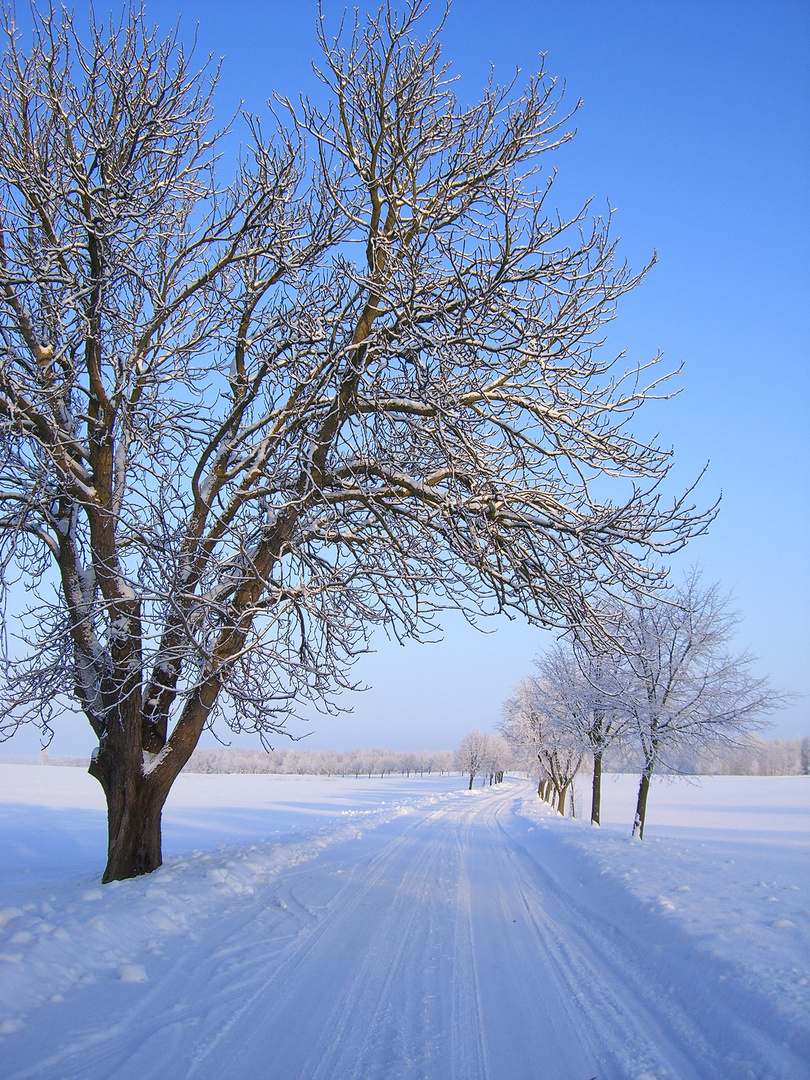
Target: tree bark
[(641, 804), (134, 843), (134, 810), (596, 800)]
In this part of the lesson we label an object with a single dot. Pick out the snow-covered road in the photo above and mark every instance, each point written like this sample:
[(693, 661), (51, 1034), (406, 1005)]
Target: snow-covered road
[(456, 936)]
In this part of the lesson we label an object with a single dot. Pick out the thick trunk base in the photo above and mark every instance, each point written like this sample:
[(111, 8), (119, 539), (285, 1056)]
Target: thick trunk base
[(134, 845), (134, 810)]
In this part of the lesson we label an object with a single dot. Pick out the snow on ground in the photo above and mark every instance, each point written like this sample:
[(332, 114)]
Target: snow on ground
[(313, 929)]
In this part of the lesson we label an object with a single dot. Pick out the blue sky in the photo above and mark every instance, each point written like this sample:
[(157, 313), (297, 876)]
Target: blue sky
[(696, 127)]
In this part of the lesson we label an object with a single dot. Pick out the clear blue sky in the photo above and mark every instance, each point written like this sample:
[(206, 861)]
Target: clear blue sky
[(696, 127)]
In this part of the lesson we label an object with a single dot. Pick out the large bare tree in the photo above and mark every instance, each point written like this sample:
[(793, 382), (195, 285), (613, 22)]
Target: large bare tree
[(245, 422)]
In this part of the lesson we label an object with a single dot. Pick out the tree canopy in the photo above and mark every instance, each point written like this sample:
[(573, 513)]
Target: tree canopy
[(246, 420)]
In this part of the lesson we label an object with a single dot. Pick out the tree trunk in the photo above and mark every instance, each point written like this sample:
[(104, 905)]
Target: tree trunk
[(641, 804), (472, 777), (134, 844), (561, 793), (596, 801), (134, 809), (135, 795)]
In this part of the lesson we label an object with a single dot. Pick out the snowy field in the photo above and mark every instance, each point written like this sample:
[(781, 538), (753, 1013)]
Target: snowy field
[(313, 929)]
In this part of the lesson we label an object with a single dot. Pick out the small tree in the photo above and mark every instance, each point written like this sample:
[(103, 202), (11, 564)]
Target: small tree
[(538, 721), (245, 422), (471, 755), (498, 758), (683, 687), (584, 684)]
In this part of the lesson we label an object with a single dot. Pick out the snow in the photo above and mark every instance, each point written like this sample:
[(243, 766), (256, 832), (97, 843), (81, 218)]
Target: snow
[(330, 929), (151, 761)]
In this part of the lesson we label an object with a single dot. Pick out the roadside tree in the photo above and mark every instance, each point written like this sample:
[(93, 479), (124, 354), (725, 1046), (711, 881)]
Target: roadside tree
[(244, 423), (584, 684), (498, 758), (471, 755), (539, 724), (683, 687)]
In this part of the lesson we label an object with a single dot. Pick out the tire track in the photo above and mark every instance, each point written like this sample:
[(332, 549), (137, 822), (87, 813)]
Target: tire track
[(469, 1059), (374, 924), (645, 1013)]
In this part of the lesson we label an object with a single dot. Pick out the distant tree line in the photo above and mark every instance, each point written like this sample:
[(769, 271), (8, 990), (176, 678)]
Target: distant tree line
[(297, 762), (754, 757)]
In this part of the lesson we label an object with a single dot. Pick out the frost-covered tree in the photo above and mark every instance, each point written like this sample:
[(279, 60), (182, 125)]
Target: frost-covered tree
[(471, 755), (541, 724), (683, 687), (244, 422), (523, 727), (583, 683), (443, 761), (497, 758), (659, 675)]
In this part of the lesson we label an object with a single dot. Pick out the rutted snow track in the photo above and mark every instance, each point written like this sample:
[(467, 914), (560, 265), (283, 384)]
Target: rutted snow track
[(459, 941)]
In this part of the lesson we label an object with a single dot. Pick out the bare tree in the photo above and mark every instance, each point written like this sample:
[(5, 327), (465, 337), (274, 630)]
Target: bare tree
[(584, 684), (683, 687), (658, 672), (523, 728), (498, 758), (540, 722), (471, 755), (244, 423)]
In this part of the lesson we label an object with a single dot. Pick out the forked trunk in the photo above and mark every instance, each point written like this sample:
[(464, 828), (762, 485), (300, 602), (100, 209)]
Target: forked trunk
[(561, 794), (135, 801), (134, 808), (596, 800), (136, 781)]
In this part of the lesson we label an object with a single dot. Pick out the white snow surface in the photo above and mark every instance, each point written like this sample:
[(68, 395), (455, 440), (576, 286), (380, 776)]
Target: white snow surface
[(326, 929)]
